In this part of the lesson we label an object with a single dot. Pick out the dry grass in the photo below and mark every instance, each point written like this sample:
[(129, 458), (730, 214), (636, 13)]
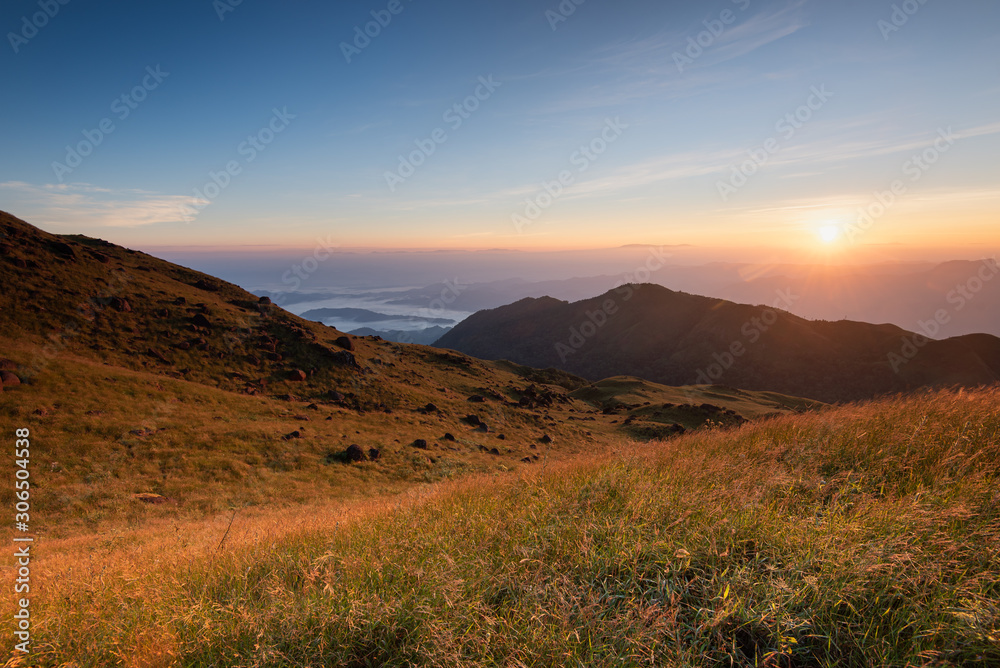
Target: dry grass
[(859, 535)]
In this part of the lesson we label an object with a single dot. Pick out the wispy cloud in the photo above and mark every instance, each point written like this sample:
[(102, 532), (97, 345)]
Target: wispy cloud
[(79, 206), (625, 72)]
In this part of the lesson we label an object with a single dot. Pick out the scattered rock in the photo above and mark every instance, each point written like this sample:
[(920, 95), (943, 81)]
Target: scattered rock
[(157, 355), (545, 438), (264, 300), (477, 399), (163, 313), (482, 427), (312, 407), (294, 434), (100, 257), (345, 358), (9, 379), (301, 418), (354, 453), (374, 454), (429, 408), (199, 320), (449, 437), (420, 443), (63, 249), (120, 304), (296, 375), (207, 285), (494, 451), (526, 460), (502, 437), (180, 301), (344, 342), (472, 420)]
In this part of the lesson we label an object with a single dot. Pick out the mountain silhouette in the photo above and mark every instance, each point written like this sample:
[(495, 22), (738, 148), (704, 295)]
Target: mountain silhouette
[(675, 338)]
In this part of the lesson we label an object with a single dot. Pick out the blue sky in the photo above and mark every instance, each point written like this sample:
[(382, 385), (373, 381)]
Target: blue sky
[(271, 82)]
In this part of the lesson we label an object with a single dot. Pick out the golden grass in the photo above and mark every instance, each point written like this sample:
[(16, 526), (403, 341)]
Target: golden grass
[(859, 535)]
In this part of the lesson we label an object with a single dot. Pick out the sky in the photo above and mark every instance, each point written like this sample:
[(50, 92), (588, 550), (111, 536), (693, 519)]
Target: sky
[(815, 127)]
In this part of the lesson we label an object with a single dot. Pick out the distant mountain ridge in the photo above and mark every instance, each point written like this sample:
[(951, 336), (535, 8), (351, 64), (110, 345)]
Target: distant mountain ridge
[(675, 338)]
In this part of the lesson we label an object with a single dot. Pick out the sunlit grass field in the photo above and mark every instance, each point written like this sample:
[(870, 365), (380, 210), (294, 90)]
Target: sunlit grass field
[(859, 535)]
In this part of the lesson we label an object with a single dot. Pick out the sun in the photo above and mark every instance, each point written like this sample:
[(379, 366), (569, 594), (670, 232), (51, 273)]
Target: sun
[(829, 233)]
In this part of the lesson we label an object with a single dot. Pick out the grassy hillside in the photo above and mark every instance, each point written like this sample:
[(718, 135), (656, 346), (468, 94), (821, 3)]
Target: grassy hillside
[(854, 536), (153, 391)]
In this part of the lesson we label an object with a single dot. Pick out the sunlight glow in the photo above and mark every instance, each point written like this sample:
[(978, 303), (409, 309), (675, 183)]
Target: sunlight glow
[(829, 233)]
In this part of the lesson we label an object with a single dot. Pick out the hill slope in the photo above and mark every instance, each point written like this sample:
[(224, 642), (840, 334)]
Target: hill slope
[(855, 536), (152, 390), (676, 338)]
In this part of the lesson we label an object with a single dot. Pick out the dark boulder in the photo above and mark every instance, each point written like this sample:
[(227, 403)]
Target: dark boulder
[(374, 454), (201, 321), (345, 358), (477, 399), (420, 443), (120, 304), (354, 453), (63, 249), (9, 379), (296, 375), (344, 342)]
